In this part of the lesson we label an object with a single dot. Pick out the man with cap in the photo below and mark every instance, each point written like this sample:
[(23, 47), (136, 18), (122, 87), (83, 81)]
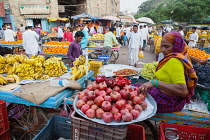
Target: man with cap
[(85, 38), (30, 43), (60, 33), (193, 38), (9, 34)]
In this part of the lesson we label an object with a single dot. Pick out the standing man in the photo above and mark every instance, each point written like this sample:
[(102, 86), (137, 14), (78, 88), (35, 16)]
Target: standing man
[(135, 41), (108, 42), (2, 32), (118, 31), (60, 33), (75, 50), (100, 29), (193, 38), (38, 30), (145, 35), (85, 38), (9, 34), (22, 29), (181, 31), (30, 43)]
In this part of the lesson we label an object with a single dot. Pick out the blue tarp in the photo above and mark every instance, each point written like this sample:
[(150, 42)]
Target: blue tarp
[(84, 15)]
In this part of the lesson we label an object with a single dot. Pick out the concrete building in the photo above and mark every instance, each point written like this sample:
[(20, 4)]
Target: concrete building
[(33, 12)]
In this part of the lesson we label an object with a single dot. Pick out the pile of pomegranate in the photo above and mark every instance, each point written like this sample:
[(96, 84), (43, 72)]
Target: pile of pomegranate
[(111, 99)]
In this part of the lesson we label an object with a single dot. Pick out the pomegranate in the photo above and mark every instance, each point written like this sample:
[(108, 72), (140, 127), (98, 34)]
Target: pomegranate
[(102, 93), (95, 107), (107, 117), (102, 86), (108, 98), (129, 107), (135, 113), (99, 113), (117, 117), (116, 88), (85, 99), (128, 88), (109, 90), (85, 108), (144, 105), (91, 95), (80, 103), (138, 108), (90, 87), (97, 92), (129, 102), (120, 104), (100, 79), (90, 113), (127, 117), (135, 89), (86, 91), (114, 110), (90, 103), (115, 96), (94, 85), (99, 100), (142, 97), (106, 106), (122, 111), (113, 105), (137, 100), (133, 94), (81, 94), (125, 94)]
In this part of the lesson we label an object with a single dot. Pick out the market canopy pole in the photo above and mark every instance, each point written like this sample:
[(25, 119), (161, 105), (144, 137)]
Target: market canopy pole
[(86, 65)]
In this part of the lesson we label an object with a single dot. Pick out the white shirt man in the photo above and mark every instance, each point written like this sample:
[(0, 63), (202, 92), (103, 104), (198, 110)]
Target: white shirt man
[(181, 33), (193, 38), (30, 43), (135, 42), (91, 29), (145, 35), (60, 32), (118, 30), (168, 29), (9, 34), (100, 29)]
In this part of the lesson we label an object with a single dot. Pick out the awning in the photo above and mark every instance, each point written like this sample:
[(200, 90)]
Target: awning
[(37, 16), (55, 19)]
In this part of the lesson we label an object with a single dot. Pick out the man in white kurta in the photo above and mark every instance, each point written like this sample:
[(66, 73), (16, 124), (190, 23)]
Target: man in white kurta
[(9, 34), (30, 43), (193, 38), (135, 42)]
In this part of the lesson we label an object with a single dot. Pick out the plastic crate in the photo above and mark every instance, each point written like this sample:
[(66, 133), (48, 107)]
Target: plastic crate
[(105, 58), (95, 66), (56, 127), (88, 130), (5, 135), (135, 132), (186, 132), (4, 124)]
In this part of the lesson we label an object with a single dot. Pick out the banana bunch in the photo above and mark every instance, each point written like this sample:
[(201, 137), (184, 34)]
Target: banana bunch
[(38, 75), (79, 61), (77, 72), (11, 70), (10, 59), (3, 60), (38, 58), (12, 78), (45, 77), (25, 71), (21, 58), (3, 80), (54, 67)]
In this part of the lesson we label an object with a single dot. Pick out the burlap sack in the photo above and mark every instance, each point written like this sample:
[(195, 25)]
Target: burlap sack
[(37, 93)]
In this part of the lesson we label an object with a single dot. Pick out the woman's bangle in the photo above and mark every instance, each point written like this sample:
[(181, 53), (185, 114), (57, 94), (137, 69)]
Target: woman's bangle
[(153, 83), (156, 84)]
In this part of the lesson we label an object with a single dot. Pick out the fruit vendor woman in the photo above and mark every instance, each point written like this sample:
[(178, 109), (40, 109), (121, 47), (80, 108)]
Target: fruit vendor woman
[(75, 50), (176, 78)]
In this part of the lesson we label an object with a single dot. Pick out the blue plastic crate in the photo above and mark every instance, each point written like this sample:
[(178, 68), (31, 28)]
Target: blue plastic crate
[(105, 58), (56, 127)]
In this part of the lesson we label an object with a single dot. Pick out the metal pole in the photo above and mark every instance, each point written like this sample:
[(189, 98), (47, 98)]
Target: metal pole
[(86, 65)]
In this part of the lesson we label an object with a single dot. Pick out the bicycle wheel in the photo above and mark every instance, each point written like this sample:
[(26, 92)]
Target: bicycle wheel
[(26, 121), (113, 57)]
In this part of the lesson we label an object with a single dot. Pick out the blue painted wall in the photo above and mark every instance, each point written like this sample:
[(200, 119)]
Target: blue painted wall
[(1, 22)]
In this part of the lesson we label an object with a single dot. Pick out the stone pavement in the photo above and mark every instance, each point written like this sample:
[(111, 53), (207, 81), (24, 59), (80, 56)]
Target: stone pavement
[(123, 57)]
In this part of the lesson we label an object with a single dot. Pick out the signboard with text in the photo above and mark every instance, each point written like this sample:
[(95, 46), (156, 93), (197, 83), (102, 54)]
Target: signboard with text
[(34, 9)]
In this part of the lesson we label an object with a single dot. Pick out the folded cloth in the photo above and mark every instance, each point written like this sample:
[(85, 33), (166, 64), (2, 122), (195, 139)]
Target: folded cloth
[(37, 93)]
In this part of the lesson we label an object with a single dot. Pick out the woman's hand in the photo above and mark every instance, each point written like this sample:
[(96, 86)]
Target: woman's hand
[(144, 87)]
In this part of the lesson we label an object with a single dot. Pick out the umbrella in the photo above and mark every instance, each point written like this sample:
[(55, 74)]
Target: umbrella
[(111, 18), (83, 15), (145, 19)]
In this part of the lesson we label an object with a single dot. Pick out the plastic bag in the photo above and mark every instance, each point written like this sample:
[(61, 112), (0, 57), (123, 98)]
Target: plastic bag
[(141, 54)]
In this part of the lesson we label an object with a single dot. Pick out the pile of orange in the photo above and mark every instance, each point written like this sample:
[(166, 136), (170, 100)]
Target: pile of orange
[(57, 50), (12, 42), (202, 55), (57, 43)]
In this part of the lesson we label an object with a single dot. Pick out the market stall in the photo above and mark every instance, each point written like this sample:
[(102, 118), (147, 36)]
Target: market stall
[(14, 45)]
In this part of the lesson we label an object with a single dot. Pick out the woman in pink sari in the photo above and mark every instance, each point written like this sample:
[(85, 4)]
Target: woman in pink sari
[(68, 36)]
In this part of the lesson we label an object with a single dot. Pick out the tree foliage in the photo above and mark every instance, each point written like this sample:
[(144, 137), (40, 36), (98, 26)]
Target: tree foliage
[(177, 10)]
